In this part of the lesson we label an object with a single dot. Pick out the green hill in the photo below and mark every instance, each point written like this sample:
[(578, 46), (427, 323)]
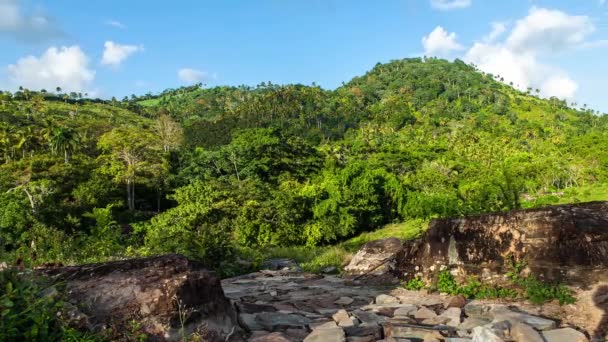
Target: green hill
[(210, 171)]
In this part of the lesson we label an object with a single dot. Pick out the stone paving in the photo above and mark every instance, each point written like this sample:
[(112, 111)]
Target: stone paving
[(288, 306)]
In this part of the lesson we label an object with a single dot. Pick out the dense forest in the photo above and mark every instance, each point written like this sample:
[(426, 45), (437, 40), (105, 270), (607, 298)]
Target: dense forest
[(205, 171)]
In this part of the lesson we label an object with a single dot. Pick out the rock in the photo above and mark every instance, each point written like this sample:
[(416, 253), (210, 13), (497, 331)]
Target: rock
[(485, 334), (424, 313), (276, 321), (453, 315), (457, 339), (367, 330), (536, 322), (344, 301), (368, 318), (564, 335), (155, 290), (472, 322), (326, 312), (326, 335), (386, 299), (361, 339), (281, 264), (522, 332), (563, 243), (296, 334), (272, 337), (435, 320), (456, 302), (375, 257), (249, 322), (330, 270), (393, 331), (385, 311), (250, 308), (343, 319), (408, 310), (323, 325)]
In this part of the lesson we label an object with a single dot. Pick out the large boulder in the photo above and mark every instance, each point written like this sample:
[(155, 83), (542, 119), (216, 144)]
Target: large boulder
[(567, 243), (375, 258), (170, 296)]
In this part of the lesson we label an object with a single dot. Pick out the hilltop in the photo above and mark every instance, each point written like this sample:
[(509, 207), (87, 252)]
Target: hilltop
[(217, 172)]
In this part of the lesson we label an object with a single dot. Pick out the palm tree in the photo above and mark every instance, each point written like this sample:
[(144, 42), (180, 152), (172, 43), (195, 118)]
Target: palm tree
[(65, 140)]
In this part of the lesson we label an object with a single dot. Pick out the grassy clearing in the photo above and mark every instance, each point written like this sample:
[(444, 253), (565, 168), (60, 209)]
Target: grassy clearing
[(597, 192), (315, 259)]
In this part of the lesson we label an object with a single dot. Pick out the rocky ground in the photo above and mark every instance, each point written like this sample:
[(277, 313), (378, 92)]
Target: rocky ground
[(289, 305)]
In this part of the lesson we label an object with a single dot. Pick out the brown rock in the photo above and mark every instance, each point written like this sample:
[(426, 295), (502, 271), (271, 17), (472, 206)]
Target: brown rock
[(565, 243), (564, 335), (155, 290), (272, 337), (456, 302), (522, 332), (375, 257), (424, 313)]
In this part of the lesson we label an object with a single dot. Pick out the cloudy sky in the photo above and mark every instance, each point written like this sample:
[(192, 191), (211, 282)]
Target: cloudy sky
[(116, 48)]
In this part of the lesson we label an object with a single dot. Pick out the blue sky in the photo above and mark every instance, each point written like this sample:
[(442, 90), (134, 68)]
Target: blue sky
[(116, 48)]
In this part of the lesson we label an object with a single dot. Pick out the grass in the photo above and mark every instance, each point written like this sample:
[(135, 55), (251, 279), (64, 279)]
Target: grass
[(597, 192), (315, 259)]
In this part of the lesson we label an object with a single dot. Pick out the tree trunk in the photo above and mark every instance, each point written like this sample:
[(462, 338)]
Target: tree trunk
[(66, 156), (129, 195)]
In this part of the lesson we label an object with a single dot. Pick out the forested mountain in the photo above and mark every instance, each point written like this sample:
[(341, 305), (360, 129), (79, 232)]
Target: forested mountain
[(201, 170)]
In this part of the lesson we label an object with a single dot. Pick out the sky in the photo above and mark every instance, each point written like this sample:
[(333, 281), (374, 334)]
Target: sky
[(118, 48)]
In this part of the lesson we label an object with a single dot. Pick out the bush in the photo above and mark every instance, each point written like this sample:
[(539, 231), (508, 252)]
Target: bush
[(30, 310)]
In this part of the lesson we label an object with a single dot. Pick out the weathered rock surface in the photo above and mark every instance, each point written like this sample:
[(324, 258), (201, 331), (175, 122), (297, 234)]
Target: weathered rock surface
[(375, 258), (154, 291), (567, 243)]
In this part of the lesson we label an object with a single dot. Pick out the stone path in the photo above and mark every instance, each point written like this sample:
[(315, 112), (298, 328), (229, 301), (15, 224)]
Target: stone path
[(287, 306)]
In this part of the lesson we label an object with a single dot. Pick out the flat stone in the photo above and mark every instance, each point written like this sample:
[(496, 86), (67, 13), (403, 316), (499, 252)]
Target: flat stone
[(343, 319), (396, 332), (249, 322), (424, 313), (272, 337), (564, 335), (472, 322), (326, 335), (457, 339), (344, 301), (323, 325), (485, 334), (522, 332), (296, 334), (326, 312), (386, 299), (251, 308), (435, 320), (361, 339), (453, 315), (368, 318), (274, 321), (408, 310), (363, 330), (536, 322)]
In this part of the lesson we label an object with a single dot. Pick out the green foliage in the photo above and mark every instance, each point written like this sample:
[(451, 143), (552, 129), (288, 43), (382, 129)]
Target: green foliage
[(415, 284), (32, 310)]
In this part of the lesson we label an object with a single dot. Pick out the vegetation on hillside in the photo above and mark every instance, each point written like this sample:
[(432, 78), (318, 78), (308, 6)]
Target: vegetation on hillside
[(220, 172)]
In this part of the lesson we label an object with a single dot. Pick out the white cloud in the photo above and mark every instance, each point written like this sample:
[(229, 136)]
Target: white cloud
[(25, 26), (440, 42), (446, 5), (116, 24), (519, 57), (545, 30), (65, 67), (114, 54), (192, 76), (498, 29)]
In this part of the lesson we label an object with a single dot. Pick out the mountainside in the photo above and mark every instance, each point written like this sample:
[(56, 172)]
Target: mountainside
[(208, 172)]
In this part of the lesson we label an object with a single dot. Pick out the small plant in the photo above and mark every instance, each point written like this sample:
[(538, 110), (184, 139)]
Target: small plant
[(446, 283), (415, 284)]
